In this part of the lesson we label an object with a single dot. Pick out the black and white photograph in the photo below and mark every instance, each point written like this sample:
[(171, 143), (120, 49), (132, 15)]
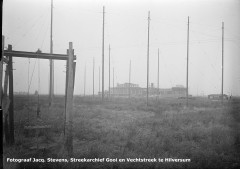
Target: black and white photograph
[(120, 84)]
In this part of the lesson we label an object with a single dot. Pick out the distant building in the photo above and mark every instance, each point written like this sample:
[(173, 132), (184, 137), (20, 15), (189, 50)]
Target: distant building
[(126, 89), (217, 96)]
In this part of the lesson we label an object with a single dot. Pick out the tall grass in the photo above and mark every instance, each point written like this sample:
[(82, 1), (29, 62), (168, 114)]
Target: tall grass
[(206, 132)]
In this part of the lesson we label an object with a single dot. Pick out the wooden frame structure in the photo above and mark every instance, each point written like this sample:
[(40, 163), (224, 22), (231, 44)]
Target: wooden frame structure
[(8, 104)]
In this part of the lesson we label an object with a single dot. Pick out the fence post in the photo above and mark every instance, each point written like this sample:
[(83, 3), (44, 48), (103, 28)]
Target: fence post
[(11, 106), (69, 103)]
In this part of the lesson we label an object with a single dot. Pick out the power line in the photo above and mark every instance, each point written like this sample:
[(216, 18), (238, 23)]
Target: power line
[(32, 74), (27, 32)]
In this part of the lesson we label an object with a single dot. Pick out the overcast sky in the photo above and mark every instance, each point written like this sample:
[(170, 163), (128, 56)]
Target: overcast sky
[(26, 25)]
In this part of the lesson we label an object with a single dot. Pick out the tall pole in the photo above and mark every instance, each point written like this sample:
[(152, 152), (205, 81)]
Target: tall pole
[(113, 81), (38, 106), (158, 72), (103, 56), (51, 87), (4, 103), (187, 59), (29, 88), (11, 98), (85, 80), (1, 71), (129, 86), (68, 143), (93, 75), (99, 85), (109, 71), (148, 55), (222, 56)]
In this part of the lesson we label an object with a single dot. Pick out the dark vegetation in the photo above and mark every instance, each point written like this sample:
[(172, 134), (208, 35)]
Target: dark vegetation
[(206, 132)]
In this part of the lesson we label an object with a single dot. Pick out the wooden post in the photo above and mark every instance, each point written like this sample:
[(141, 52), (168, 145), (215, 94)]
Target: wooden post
[(6, 130), (69, 104), (74, 69), (5, 106), (66, 84), (11, 107), (5, 84), (1, 70)]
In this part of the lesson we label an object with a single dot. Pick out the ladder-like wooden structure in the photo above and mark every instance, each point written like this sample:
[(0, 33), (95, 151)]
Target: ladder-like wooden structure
[(7, 104)]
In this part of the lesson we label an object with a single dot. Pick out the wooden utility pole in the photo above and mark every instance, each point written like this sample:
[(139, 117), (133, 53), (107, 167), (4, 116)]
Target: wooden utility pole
[(51, 87), (148, 55), (5, 87), (5, 105), (222, 56), (85, 80), (66, 87), (11, 106), (93, 75), (187, 59), (1, 70), (29, 88), (99, 85), (129, 86), (158, 73), (38, 106), (4, 101), (69, 103), (109, 72), (74, 71), (113, 81), (103, 56)]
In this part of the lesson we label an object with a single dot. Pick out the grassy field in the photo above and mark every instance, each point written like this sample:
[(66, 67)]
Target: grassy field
[(205, 132)]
